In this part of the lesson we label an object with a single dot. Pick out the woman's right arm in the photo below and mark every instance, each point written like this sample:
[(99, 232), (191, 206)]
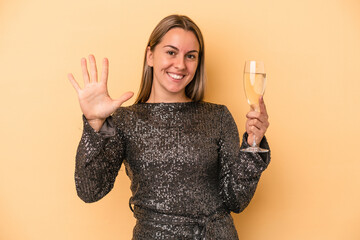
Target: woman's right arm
[(98, 160), (100, 152)]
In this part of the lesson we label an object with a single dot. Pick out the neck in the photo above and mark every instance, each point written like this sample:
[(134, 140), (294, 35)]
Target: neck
[(167, 98)]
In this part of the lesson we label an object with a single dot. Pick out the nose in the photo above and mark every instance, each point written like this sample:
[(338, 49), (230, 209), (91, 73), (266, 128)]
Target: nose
[(180, 63)]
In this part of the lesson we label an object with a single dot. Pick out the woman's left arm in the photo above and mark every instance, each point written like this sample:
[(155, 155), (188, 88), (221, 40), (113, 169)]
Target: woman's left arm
[(239, 171)]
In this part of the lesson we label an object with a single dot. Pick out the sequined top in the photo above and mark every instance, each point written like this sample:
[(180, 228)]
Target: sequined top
[(183, 159)]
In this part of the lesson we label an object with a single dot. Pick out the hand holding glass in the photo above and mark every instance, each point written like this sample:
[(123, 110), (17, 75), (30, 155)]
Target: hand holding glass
[(254, 86)]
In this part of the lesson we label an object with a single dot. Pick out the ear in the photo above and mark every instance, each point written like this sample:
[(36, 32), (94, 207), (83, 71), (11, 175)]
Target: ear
[(149, 57)]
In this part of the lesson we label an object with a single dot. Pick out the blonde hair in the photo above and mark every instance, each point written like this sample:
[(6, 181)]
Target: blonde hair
[(195, 89)]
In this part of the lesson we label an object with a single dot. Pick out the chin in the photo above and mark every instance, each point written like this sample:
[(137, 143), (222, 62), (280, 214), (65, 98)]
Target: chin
[(175, 90)]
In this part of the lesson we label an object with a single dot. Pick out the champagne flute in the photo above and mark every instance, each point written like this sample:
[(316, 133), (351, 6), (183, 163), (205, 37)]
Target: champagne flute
[(254, 86)]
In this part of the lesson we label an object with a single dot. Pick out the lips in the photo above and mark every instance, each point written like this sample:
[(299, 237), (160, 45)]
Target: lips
[(176, 76)]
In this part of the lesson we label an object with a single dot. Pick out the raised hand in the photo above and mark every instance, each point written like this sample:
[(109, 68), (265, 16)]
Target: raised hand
[(94, 99), (257, 123)]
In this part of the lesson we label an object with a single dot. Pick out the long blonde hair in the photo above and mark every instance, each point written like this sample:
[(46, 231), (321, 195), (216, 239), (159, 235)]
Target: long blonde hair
[(195, 89)]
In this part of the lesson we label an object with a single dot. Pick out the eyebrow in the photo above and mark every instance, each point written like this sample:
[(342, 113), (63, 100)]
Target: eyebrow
[(178, 49)]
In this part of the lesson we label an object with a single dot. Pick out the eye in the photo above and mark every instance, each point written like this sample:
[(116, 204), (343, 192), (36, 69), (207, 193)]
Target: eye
[(191, 56), (171, 53)]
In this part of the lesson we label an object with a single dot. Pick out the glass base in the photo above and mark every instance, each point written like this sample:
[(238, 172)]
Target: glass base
[(254, 150)]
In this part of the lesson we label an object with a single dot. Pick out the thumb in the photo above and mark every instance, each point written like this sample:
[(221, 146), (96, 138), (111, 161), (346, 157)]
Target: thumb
[(126, 96)]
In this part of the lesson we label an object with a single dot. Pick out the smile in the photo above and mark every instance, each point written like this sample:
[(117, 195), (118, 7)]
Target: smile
[(176, 76)]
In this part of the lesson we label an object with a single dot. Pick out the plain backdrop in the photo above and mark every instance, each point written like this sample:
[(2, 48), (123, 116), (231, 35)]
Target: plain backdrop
[(311, 49)]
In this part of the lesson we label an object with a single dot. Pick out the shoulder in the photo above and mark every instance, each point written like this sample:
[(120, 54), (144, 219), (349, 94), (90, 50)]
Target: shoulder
[(127, 109), (221, 112), (214, 107), (213, 112), (124, 115)]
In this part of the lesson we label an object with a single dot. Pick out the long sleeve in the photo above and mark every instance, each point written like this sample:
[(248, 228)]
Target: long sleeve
[(239, 171), (98, 160)]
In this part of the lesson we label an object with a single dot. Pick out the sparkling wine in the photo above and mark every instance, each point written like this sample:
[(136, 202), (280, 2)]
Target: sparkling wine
[(254, 84)]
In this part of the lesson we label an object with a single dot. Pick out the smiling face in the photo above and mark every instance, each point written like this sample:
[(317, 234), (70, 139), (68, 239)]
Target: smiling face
[(174, 61)]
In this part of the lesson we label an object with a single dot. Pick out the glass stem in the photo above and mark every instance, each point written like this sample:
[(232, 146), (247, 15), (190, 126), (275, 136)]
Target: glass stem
[(254, 142), (257, 109)]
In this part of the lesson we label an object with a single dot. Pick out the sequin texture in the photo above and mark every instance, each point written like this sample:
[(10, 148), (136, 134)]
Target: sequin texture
[(184, 163)]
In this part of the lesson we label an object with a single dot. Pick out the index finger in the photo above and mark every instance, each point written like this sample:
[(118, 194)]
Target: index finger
[(262, 106)]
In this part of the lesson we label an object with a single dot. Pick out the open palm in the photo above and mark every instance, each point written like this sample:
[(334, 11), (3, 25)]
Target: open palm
[(94, 99)]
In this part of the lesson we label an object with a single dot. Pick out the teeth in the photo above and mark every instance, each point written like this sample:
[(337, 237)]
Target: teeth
[(175, 76)]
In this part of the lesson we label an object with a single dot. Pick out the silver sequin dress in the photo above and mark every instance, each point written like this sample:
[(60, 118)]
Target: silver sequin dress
[(184, 163)]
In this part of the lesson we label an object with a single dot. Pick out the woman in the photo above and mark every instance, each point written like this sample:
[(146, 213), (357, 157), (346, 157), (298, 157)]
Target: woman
[(181, 154)]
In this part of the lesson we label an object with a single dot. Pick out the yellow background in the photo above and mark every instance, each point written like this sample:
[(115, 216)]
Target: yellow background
[(311, 48)]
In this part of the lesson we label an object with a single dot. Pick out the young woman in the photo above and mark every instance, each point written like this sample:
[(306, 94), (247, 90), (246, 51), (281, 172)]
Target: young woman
[(181, 154)]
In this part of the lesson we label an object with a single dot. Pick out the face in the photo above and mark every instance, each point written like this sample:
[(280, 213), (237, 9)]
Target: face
[(174, 61)]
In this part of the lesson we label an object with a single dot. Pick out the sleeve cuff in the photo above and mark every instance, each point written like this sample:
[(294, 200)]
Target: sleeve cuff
[(263, 144), (107, 130)]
